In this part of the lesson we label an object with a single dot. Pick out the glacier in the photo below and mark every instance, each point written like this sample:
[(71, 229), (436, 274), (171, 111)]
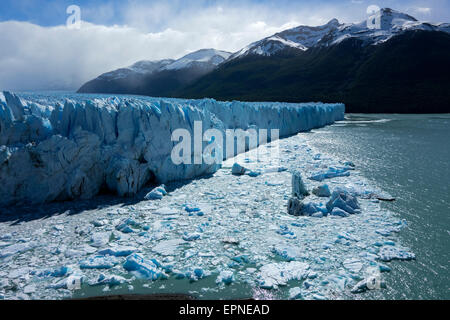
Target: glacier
[(242, 245), (56, 147)]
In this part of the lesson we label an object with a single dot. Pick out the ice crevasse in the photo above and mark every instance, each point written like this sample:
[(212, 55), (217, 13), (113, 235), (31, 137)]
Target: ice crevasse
[(60, 148)]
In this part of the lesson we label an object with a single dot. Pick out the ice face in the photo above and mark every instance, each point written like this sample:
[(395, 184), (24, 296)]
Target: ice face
[(53, 148)]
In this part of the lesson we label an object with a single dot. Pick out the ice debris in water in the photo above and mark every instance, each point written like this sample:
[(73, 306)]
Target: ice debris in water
[(243, 230)]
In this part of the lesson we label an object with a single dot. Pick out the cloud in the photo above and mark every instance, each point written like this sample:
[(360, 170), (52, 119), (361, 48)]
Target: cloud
[(57, 58), (423, 10)]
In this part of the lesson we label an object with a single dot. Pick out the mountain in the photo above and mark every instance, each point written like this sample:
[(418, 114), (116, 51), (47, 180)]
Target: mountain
[(389, 63), (401, 67), (157, 77)]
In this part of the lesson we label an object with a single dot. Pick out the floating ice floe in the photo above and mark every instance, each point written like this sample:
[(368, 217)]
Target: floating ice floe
[(278, 274), (389, 253), (226, 277), (110, 280), (168, 247), (99, 262), (17, 248), (118, 251), (331, 173)]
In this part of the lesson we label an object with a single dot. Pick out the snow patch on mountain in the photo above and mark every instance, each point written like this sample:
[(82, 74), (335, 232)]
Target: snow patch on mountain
[(205, 56), (389, 24)]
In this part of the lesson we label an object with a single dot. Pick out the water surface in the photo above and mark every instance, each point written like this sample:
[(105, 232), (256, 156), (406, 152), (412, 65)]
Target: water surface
[(409, 157)]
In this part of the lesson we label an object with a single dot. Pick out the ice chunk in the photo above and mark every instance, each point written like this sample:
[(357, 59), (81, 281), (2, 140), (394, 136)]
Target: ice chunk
[(118, 251), (110, 280), (226, 277), (295, 207), (100, 239), (309, 209), (278, 274), (17, 248), (343, 200), (254, 173), (156, 194), (389, 253), (238, 170), (298, 186), (166, 211), (287, 252), (191, 236), (168, 247), (126, 224), (143, 268), (322, 191), (230, 240), (353, 265), (331, 173), (99, 262), (337, 212), (295, 293)]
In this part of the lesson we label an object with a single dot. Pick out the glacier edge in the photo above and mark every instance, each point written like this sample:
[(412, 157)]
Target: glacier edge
[(57, 148)]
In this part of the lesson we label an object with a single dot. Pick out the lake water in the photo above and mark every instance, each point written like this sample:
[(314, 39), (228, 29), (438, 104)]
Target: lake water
[(409, 157)]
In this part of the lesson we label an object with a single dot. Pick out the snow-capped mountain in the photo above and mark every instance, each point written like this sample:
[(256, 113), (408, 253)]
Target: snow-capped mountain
[(302, 38), (146, 77), (390, 62), (204, 58), (375, 30), (140, 67), (200, 58)]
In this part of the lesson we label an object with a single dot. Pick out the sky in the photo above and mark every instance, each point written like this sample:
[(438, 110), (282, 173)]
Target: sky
[(39, 52)]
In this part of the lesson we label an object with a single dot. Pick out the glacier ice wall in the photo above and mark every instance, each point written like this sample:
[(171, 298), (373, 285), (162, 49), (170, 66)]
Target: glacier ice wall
[(55, 147)]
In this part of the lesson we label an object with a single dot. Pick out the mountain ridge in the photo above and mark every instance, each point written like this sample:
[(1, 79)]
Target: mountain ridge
[(277, 67)]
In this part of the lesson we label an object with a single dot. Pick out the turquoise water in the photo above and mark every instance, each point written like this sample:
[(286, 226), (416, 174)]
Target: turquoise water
[(409, 157)]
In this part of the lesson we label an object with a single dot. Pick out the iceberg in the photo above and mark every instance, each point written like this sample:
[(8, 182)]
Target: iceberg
[(143, 268), (61, 147)]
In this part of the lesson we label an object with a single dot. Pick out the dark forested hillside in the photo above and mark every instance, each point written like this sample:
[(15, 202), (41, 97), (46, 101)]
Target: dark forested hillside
[(409, 73)]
